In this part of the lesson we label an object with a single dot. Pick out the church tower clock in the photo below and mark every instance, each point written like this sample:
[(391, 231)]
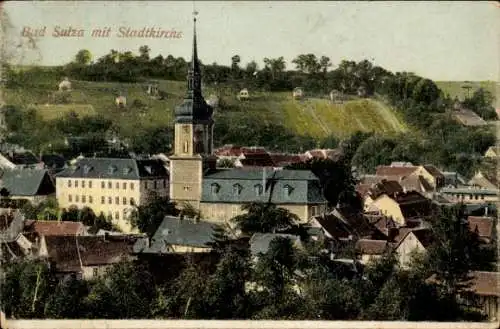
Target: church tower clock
[(193, 146)]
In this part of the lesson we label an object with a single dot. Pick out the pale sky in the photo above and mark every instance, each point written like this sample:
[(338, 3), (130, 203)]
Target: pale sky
[(438, 40)]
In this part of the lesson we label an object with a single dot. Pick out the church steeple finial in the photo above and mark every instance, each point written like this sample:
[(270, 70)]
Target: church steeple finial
[(194, 76)]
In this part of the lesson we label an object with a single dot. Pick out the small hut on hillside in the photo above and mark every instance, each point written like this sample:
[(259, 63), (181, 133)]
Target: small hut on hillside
[(298, 93), (152, 89), (121, 101), (336, 96), (65, 84), (243, 95)]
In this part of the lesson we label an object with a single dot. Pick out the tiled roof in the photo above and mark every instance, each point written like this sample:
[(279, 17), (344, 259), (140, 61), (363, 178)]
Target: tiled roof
[(435, 172), (259, 242), (22, 158), (66, 251), (176, 231), (371, 247), (257, 160), (291, 186), (413, 204), (114, 168), (486, 283), (26, 182), (357, 222), (395, 170), (281, 160), (334, 226), (333, 154), (385, 187), (423, 235), (363, 189), (49, 228), (483, 226)]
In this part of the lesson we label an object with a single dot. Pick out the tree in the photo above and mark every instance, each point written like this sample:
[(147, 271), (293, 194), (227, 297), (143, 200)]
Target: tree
[(308, 63), (144, 52), (264, 218), (83, 57), (275, 65), (481, 103), (147, 218), (67, 300)]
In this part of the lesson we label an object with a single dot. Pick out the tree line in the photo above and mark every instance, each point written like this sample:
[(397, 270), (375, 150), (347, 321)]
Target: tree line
[(285, 283)]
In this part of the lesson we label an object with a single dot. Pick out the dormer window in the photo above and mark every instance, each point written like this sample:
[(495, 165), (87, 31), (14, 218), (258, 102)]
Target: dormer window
[(111, 169), (287, 190), (127, 170), (215, 188), (148, 169), (237, 189), (86, 169), (258, 189)]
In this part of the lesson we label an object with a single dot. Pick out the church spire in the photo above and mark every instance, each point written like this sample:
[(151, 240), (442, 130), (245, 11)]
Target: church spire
[(194, 75)]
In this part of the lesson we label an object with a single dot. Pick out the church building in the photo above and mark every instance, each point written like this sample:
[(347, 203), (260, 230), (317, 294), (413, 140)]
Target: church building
[(220, 193)]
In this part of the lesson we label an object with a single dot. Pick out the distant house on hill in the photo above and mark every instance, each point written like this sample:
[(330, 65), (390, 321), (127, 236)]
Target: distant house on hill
[(468, 118), (492, 152), (243, 95), (121, 101), (298, 93), (65, 84)]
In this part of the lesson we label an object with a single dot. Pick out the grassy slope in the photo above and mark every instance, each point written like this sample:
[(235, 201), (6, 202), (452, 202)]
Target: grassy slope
[(315, 117), (454, 88)]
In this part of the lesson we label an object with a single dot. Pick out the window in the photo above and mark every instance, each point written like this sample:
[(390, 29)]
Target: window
[(215, 188), (84, 199), (103, 184), (90, 184), (95, 271), (287, 190), (77, 198), (117, 215), (237, 189), (86, 169), (110, 215), (132, 202), (117, 185), (76, 183), (117, 200), (69, 182), (124, 200), (258, 189), (103, 200), (187, 188), (83, 184), (110, 185), (90, 199), (70, 198), (476, 197), (186, 148), (482, 196), (131, 186), (110, 200), (124, 186)]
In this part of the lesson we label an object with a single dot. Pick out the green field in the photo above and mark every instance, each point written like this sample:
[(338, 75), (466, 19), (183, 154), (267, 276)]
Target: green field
[(315, 117), (455, 88)]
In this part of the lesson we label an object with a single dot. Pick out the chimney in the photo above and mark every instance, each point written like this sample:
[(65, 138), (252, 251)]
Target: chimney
[(392, 234), (486, 211)]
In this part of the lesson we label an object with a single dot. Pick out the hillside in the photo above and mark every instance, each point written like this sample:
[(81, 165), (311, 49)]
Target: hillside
[(454, 88), (314, 117)]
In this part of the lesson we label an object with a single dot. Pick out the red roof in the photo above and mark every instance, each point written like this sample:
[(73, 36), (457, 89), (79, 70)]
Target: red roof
[(485, 283), (482, 225), (281, 160), (332, 154), (371, 247), (51, 228), (395, 170)]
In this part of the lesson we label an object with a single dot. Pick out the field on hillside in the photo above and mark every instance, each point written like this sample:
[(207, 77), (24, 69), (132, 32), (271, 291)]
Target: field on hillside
[(315, 117), (454, 88)]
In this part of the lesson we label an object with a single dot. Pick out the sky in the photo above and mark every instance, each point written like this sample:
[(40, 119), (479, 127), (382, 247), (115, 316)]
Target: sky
[(438, 40)]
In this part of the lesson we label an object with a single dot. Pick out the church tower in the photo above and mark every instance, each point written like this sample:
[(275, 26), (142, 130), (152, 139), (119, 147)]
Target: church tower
[(193, 146)]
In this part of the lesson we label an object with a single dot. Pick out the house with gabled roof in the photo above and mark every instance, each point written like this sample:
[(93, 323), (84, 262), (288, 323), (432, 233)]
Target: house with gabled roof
[(260, 242), (34, 185), (403, 207), (225, 191), (178, 235), (409, 241), (370, 250), (483, 294), (429, 173), (492, 152), (112, 187), (87, 257)]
